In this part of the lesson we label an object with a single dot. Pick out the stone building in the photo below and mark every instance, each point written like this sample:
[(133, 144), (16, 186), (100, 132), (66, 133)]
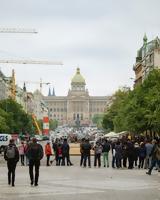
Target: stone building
[(78, 106), (148, 58), (4, 86)]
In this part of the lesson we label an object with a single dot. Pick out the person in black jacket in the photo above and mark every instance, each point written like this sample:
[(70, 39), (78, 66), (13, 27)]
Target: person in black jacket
[(11, 155), (105, 152), (65, 153), (86, 148), (34, 154)]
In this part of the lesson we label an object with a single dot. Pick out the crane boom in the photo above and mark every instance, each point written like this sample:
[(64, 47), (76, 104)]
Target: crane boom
[(17, 30), (42, 62)]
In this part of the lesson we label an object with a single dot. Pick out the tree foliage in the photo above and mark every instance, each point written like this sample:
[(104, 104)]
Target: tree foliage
[(13, 118), (53, 123), (98, 119), (137, 110)]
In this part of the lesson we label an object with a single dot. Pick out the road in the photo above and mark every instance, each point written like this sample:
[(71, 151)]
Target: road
[(74, 182)]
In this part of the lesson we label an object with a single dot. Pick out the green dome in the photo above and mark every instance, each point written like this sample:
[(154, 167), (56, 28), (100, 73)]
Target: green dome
[(78, 78)]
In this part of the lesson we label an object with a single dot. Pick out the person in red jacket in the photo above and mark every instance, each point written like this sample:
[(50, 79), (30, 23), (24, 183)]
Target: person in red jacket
[(48, 152)]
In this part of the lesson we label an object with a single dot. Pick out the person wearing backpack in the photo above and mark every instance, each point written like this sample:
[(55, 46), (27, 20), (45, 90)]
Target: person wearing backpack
[(155, 156), (11, 155), (34, 154)]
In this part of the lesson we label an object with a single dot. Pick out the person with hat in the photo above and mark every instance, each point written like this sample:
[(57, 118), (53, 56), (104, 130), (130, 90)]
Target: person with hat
[(34, 154)]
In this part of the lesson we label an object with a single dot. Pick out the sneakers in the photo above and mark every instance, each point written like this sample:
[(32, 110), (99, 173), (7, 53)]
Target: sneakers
[(149, 173)]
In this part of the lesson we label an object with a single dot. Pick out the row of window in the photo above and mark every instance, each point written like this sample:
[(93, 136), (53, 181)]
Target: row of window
[(77, 110), (58, 109)]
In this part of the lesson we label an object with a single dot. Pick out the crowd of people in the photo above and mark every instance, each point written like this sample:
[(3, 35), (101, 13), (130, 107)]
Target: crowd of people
[(125, 153), (141, 153)]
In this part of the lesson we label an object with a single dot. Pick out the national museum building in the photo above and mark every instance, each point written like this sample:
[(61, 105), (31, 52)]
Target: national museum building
[(78, 106)]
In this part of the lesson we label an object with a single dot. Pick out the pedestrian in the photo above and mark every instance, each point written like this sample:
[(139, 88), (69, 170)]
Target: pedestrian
[(155, 156), (86, 147), (55, 147), (142, 155), (81, 151), (65, 152), (118, 154), (21, 149), (105, 152), (97, 154), (25, 152), (113, 154), (59, 151), (48, 152), (11, 155), (34, 154), (124, 153), (148, 159), (136, 153), (130, 154)]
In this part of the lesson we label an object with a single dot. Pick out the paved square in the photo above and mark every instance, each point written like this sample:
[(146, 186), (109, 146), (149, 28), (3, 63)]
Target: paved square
[(67, 183)]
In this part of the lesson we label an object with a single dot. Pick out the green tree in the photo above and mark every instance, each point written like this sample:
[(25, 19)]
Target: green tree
[(53, 124), (15, 118), (110, 115), (138, 110), (98, 119)]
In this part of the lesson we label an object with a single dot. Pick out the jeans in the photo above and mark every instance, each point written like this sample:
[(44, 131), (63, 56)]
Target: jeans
[(153, 164), (48, 158), (11, 171), (105, 158), (33, 163), (87, 156), (97, 157)]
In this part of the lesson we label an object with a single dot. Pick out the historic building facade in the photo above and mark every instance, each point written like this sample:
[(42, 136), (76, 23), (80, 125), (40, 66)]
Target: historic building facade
[(148, 58), (77, 106), (4, 86)]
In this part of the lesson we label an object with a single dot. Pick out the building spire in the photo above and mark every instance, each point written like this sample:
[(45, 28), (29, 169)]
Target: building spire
[(53, 92), (49, 92), (145, 39), (24, 87)]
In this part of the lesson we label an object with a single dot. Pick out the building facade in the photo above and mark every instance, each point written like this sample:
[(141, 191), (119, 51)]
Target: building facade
[(4, 86), (148, 58), (78, 107)]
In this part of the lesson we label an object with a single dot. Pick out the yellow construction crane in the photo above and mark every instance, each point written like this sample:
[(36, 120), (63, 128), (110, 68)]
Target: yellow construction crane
[(36, 124)]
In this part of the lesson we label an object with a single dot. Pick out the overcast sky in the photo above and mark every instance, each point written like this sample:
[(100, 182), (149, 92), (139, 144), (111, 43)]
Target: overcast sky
[(99, 36)]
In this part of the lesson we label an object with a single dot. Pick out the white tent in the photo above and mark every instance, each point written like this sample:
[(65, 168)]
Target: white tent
[(111, 134)]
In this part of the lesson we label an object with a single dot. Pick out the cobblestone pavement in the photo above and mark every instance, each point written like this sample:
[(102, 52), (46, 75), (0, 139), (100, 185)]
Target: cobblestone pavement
[(74, 182)]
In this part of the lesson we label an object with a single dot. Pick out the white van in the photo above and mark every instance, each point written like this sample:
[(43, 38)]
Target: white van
[(4, 141)]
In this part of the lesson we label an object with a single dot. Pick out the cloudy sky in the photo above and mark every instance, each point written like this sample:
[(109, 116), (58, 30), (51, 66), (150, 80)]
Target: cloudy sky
[(100, 36)]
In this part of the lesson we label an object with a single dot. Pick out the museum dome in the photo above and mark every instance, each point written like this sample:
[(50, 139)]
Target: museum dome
[(78, 78)]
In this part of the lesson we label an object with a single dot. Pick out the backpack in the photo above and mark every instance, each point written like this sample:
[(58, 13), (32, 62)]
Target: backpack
[(10, 153), (157, 152)]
